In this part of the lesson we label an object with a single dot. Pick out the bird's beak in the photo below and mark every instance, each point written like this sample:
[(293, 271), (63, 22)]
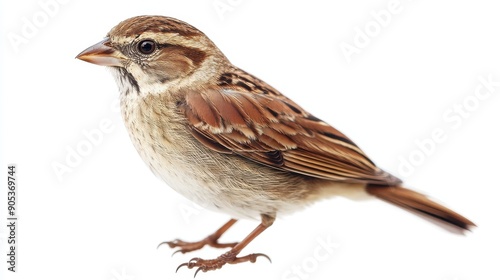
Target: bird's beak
[(102, 54)]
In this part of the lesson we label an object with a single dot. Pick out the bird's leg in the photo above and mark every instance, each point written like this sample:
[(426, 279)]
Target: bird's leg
[(211, 240), (231, 256)]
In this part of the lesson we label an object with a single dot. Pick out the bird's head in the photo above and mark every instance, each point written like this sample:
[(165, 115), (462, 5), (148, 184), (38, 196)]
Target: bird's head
[(153, 52)]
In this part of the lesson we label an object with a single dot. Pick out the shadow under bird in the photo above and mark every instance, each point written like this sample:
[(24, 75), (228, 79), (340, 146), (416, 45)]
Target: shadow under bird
[(229, 141)]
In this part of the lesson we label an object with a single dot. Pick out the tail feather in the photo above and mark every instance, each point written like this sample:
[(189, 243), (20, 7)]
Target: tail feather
[(415, 201)]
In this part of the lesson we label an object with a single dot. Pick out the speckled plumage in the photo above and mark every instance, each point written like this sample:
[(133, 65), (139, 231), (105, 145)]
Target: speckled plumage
[(230, 142)]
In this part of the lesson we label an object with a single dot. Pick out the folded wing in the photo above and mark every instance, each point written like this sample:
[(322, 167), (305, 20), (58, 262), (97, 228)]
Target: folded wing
[(273, 130)]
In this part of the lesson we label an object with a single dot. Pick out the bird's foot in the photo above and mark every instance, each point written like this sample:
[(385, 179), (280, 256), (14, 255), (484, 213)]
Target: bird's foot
[(184, 247), (228, 257)]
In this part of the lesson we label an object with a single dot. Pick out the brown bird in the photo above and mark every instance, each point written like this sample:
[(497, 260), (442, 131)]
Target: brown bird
[(230, 142)]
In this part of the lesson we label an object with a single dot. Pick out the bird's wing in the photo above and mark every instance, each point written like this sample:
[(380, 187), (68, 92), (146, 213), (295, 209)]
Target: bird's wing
[(273, 130)]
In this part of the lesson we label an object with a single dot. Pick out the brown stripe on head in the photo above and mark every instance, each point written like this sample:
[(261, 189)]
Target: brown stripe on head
[(157, 24), (195, 55), (174, 61)]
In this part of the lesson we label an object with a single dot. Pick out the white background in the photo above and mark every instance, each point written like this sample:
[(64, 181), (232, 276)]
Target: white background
[(104, 219)]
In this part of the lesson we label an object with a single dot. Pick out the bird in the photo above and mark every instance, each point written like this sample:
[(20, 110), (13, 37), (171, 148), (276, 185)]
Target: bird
[(229, 141)]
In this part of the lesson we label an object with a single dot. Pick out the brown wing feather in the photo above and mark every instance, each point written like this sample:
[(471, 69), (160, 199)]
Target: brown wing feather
[(271, 129)]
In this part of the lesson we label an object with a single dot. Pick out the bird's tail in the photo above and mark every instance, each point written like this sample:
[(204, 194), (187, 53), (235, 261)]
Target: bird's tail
[(420, 203)]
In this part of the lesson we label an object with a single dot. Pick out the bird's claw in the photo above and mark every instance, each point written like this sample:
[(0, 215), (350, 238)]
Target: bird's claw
[(214, 264), (185, 247)]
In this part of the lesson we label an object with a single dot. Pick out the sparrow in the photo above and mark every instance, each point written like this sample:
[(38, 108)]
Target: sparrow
[(229, 141)]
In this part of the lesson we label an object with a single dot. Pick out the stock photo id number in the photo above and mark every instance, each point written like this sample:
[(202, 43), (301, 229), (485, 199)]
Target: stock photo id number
[(12, 222)]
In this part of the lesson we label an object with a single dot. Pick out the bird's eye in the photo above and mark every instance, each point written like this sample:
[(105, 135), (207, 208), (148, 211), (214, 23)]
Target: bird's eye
[(146, 47)]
